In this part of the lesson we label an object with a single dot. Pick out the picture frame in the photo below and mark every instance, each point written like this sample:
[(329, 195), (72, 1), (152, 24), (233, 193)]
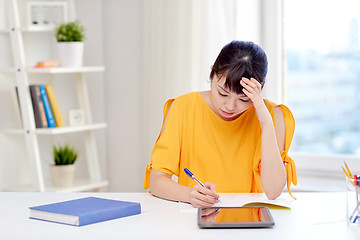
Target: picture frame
[(76, 117), (46, 13)]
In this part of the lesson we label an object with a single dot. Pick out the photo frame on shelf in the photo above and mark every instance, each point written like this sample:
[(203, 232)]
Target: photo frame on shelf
[(46, 13), (76, 117)]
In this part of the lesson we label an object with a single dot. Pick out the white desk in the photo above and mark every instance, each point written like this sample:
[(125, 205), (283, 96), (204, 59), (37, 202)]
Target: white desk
[(312, 216)]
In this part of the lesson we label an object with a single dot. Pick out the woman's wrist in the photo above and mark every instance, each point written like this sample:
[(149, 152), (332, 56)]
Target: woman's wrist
[(267, 123)]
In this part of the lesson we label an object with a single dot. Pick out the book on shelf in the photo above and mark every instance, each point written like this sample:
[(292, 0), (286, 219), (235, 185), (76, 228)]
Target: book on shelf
[(47, 64), (59, 120), (84, 211), (48, 111), (38, 107), (18, 101)]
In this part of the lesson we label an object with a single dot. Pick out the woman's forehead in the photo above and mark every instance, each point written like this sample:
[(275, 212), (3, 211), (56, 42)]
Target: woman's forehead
[(221, 84)]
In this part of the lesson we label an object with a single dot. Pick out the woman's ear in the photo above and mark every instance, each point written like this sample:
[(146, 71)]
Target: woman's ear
[(211, 67)]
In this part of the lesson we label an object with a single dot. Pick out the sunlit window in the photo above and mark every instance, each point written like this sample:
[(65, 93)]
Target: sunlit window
[(322, 46)]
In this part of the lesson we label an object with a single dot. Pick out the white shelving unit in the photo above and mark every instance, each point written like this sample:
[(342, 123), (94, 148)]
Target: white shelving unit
[(22, 73), (4, 30)]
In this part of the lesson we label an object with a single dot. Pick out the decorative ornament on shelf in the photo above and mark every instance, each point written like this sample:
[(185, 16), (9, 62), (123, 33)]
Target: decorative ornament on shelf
[(76, 117), (63, 170), (70, 43)]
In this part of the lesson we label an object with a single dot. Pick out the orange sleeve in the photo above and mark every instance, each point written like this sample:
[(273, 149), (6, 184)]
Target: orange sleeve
[(164, 150), (288, 161)]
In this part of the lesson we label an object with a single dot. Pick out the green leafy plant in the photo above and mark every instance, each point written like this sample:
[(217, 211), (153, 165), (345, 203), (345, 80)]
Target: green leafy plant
[(64, 155), (70, 32)]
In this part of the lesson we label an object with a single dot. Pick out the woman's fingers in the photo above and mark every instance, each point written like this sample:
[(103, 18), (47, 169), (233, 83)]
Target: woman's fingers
[(251, 85), (200, 201), (212, 188), (204, 196), (258, 85), (252, 89)]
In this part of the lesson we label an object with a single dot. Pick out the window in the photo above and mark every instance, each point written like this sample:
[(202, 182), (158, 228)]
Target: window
[(322, 46)]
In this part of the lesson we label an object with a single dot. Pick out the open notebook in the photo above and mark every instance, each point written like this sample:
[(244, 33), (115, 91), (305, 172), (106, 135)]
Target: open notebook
[(244, 199)]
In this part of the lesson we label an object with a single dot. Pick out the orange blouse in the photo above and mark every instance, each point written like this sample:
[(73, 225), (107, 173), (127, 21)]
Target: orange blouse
[(226, 153)]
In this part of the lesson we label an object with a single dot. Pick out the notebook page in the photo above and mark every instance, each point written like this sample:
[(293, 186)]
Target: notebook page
[(241, 199)]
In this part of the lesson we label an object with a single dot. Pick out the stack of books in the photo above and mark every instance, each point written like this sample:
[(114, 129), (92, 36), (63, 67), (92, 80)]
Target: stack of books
[(46, 110), (47, 64)]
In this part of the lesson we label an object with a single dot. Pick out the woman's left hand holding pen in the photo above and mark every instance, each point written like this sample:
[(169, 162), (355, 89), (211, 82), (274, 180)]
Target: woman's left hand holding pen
[(204, 196)]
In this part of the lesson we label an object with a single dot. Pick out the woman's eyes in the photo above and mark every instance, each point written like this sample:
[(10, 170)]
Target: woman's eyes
[(223, 95)]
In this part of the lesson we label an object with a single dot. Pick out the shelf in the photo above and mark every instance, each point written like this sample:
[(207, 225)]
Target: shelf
[(66, 70), (4, 30), (69, 129), (7, 69), (56, 70), (59, 130), (35, 29), (38, 29), (79, 186)]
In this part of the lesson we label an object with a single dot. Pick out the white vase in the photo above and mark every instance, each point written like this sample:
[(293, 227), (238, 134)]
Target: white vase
[(70, 54), (62, 175)]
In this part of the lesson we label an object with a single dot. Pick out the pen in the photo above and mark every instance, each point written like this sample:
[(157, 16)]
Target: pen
[(193, 177), (187, 171), (352, 216), (356, 218)]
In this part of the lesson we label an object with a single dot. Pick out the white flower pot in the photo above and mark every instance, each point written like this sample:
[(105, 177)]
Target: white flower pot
[(70, 54), (62, 175)]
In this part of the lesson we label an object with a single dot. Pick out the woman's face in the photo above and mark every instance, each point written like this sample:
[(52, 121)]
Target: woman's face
[(228, 105)]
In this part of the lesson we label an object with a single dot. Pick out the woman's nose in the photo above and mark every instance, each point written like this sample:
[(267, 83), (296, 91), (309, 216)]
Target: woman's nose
[(230, 105)]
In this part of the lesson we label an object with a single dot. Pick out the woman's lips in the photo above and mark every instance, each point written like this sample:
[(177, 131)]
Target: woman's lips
[(227, 113)]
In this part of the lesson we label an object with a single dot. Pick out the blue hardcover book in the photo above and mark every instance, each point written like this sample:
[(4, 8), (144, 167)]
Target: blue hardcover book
[(85, 211), (48, 111)]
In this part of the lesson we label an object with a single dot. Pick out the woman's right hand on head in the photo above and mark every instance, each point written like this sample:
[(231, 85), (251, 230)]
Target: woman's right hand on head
[(204, 196)]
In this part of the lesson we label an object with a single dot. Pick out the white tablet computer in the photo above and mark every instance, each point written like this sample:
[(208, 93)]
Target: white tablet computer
[(234, 217)]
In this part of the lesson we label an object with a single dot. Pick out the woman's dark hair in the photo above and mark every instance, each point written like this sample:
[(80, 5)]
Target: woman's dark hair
[(240, 59)]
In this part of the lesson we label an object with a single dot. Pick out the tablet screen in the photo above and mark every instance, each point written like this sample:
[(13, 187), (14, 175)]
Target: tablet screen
[(234, 217)]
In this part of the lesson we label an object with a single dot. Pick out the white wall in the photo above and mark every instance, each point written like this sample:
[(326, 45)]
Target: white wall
[(91, 15), (123, 58)]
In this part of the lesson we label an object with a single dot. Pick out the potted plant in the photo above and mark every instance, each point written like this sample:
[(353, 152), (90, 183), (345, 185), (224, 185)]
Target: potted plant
[(70, 37), (63, 169)]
